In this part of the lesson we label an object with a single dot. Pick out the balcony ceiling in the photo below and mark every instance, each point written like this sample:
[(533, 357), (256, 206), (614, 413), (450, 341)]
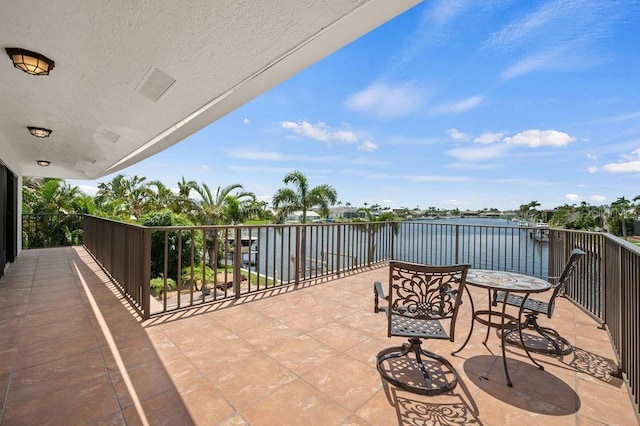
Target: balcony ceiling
[(104, 99)]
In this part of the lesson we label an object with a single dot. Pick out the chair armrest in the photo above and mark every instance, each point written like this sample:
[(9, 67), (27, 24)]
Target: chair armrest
[(378, 293)]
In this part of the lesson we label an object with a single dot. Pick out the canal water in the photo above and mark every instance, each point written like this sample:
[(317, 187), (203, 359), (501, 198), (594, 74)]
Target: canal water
[(484, 243)]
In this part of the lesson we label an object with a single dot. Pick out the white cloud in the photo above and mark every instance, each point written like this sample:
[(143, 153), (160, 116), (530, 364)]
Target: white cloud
[(245, 121), (457, 135), (319, 132), (477, 152), (489, 137), (541, 61), (205, 167), (566, 35), (453, 202), (598, 198), (459, 106), (572, 197), (631, 165), (592, 169), (627, 167), (445, 11), (535, 138), (635, 155), (367, 146), (386, 100)]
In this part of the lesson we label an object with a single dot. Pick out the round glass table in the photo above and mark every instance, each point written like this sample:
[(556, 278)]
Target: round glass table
[(507, 282)]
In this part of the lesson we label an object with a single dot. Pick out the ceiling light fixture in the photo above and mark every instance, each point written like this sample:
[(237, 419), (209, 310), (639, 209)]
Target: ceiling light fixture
[(39, 132), (43, 163), (30, 62)]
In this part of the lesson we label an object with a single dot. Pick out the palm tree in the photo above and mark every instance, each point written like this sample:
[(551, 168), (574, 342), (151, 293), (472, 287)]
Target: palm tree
[(619, 212), (182, 203), (287, 201), (159, 197), (225, 207), (374, 225), (57, 202), (123, 197), (562, 215), (214, 208)]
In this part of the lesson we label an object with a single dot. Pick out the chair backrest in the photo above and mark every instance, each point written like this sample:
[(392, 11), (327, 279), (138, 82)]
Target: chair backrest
[(426, 292), (561, 283)]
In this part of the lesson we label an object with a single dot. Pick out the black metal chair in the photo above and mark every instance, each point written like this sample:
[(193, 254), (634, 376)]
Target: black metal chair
[(533, 307), (420, 298)]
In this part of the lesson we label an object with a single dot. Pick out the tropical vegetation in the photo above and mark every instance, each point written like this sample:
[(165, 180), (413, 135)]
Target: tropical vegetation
[(131, 198)]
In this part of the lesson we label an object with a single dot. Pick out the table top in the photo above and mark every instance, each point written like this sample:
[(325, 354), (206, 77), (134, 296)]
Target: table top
[(506, 281)]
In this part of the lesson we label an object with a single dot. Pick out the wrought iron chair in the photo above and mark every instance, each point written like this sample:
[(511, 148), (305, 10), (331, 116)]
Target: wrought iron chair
[(533, 307), (420, 298)]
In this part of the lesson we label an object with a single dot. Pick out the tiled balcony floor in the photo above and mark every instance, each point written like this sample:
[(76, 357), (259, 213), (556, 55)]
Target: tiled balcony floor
[(72, 353)]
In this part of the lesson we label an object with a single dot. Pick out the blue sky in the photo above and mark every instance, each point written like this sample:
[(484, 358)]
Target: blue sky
[(453, 104)]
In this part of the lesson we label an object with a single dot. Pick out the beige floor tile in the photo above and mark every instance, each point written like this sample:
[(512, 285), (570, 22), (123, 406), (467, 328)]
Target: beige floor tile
[(296, 403), (301, 355), (345, 380)]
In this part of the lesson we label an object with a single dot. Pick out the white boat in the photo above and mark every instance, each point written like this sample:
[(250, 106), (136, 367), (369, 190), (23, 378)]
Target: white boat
[(541, 232), (248, 249)]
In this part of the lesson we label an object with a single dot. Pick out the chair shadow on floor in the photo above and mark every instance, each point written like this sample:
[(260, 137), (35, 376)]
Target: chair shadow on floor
[(453, 408), (577, 359)]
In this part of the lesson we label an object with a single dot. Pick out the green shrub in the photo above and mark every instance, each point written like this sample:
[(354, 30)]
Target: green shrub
[(157, 285), (197, 274), (168, 218)]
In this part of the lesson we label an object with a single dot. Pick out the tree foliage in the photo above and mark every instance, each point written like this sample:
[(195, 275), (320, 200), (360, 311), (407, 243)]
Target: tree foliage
[(301, 197), (175, 239)]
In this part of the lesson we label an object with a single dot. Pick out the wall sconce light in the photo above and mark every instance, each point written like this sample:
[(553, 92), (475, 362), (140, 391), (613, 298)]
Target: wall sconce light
[(30, 62), (39, 132), (43, 163)]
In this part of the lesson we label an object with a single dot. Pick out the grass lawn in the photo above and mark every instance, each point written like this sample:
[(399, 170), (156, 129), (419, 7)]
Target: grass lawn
[(635, 239)]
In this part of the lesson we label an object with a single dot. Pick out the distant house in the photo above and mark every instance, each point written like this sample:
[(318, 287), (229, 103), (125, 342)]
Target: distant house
[(296, 216), (346, 213)]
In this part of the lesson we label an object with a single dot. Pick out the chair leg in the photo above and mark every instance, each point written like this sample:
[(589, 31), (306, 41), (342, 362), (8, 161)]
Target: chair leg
[(428, 387), (549, 334)]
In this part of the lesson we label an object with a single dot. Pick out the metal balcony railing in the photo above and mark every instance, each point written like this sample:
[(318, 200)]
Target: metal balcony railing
[(165, 269)]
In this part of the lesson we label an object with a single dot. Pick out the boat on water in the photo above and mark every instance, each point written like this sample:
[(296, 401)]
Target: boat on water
[(540, 232), (248, 249)]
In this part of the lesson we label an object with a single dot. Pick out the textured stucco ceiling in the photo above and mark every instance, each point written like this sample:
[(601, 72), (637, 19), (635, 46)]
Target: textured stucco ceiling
[(221, 53)]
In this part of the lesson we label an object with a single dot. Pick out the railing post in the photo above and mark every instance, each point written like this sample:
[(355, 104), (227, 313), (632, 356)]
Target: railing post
[(146, 273), (392, 246), (298, 251), (237, 262), (338, 251), (457, 244), (370, 238)]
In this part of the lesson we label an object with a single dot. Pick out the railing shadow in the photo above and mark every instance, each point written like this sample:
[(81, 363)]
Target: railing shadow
[(596, 366), (577, 359)]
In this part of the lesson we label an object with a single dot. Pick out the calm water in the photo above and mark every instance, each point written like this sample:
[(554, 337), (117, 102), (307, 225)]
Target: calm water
[(484, 243)]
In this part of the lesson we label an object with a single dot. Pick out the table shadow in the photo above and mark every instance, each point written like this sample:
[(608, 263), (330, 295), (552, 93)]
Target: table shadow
[(533, 389)]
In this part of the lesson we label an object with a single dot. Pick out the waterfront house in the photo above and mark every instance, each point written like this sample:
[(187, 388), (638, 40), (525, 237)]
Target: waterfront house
[(296, 217)]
